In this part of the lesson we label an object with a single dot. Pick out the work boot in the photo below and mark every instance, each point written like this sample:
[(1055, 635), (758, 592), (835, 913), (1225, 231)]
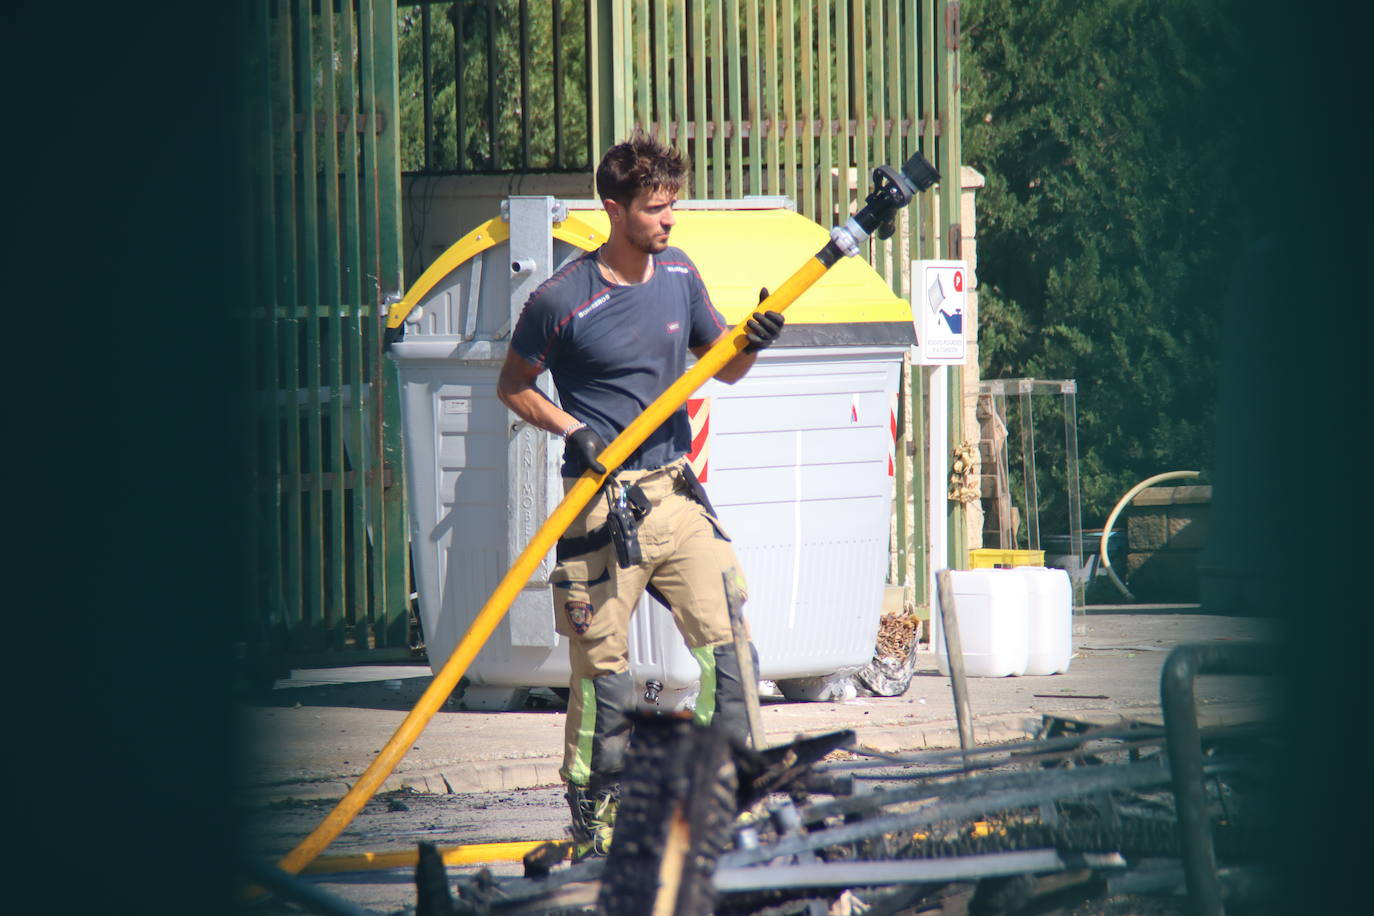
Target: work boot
[(593, 819)]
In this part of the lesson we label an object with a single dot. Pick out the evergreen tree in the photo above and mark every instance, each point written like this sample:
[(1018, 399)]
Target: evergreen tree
[(1112, 136)]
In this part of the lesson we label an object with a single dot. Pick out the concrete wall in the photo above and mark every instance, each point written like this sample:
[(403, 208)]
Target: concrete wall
[(436, 212)]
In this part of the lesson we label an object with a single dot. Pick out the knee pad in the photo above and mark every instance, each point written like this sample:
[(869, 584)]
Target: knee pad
[(615, 700), (732, 713)]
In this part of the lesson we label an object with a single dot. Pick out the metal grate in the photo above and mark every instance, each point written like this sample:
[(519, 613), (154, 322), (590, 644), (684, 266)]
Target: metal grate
[(325, 187), (494, 86)]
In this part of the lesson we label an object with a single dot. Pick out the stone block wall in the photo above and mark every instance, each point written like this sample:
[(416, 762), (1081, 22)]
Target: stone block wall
[(1166, 530)]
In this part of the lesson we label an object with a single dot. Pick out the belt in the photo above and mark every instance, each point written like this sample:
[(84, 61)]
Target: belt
[(590, 542), (627, 544)]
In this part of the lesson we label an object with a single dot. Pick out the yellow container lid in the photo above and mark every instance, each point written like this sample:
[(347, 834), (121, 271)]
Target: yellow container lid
[(737, 251)]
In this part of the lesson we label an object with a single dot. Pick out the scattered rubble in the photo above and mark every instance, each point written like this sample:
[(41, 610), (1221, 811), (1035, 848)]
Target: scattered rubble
[(1066, 820)]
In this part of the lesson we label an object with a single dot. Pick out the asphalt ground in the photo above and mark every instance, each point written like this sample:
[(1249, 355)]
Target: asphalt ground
[(313, 735), (485, 777)]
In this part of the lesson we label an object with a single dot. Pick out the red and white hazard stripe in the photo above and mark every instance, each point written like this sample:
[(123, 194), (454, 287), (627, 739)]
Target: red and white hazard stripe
[(699, 456), (892, 439)]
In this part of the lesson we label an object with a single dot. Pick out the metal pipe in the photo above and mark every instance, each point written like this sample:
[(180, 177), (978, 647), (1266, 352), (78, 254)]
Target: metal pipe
[(738, 879), (1176, 679), (917, 175)]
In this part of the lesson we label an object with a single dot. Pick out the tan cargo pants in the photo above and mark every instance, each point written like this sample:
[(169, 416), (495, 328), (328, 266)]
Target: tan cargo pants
[(685, 552)]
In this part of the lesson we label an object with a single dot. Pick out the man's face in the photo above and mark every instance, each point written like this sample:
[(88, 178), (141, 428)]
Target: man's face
[(648, 220)]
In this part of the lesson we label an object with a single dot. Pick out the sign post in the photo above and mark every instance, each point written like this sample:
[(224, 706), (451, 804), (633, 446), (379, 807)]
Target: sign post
[(939, 309)]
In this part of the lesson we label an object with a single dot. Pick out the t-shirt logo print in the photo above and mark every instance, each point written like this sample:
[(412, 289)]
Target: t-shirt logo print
[(674, 327), (579, 615)]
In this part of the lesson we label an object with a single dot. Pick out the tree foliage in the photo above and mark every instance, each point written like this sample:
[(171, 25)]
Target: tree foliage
[(1111, 137)]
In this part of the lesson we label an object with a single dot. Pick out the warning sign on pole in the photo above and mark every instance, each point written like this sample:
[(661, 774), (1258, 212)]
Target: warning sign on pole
[(939, 307)]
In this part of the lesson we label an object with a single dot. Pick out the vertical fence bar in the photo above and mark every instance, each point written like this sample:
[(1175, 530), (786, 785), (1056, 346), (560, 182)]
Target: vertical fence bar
[(860, 156), (637, 74), (717, 101), (371, 267), (493, 134), (243, 313), (789, 98), (427, 86), (602, 100), (353, 291), (459, 84), (627, 67), (680, 59), (752, 79), (556, 36), (283, 391), (309, 311), (271, 556), (948, 105), (902, 470), (336, 563), (524, 34), (736, 123), (661, 115), (809, 67), (892, 44), (842, 127), (916, 85), (770, 81), (700, 118), (920, 537), (395, 607), (826, 214), (930, 235), (875, 137), (950, 193), (460, 105)]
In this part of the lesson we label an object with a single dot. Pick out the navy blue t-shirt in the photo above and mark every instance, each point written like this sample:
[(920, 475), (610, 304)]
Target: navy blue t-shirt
[(614, 349)]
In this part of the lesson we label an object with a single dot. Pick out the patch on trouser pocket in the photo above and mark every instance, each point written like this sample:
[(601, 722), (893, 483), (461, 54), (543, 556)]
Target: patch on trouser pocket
[(581, 586), (579, 615)]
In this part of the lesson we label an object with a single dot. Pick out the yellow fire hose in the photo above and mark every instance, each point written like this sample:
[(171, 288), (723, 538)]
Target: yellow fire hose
[(451, 855), (892, 191)]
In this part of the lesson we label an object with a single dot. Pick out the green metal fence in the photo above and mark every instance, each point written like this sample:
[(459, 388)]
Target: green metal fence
[(775, 97), (804, 99), (495, 86), (324, 184)]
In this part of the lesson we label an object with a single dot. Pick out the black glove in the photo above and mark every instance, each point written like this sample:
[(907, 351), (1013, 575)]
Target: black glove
[(581, 448), (764, 327)]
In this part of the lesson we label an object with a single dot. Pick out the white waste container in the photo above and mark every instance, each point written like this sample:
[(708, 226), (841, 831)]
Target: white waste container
[(993, 618), (797, 457)]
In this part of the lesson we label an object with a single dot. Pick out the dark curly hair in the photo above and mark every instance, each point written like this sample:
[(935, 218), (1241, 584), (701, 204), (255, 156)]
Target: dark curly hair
[(638, 163)]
